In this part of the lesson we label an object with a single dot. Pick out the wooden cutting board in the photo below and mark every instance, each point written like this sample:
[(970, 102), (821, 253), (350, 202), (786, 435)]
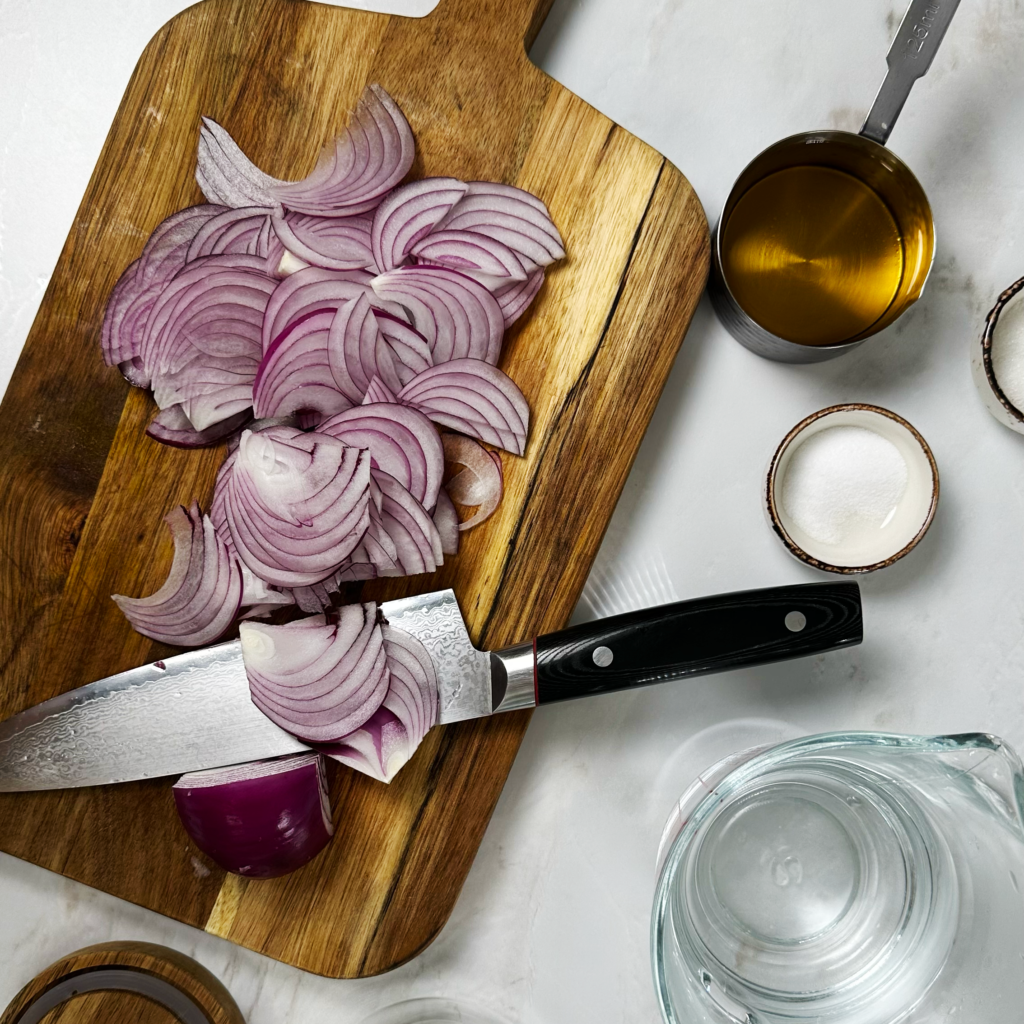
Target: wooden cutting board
[(83, 491)]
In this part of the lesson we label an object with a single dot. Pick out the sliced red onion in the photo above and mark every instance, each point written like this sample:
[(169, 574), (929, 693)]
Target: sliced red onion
[(357, 351), (410, 349), (457, 315), (138, 288), (384, 744), (338, 243), (316, 679), (378, 391), (203, 590), (372, 156), (260, 820), (485, 259), (245, 230), (401, 441), (308, 291), (489, 483), (226, 175), (474, 398), (510, 215), (409, 213), (446, 519), (295, 503), (295, 376), (407, 523), (202, 339), (171, 426), (515, 300)]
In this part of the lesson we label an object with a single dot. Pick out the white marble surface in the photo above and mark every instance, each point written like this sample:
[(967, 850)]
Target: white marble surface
[(552, 925)]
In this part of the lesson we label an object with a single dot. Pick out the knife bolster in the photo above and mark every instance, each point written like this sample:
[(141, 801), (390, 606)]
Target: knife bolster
[(513, 679)]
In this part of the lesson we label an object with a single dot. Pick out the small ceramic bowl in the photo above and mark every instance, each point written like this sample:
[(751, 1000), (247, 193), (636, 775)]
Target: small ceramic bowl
[(869, 549), (983, 370)]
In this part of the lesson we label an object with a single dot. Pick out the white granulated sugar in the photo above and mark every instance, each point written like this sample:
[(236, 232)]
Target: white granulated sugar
[(842, 480), (1008, 351)]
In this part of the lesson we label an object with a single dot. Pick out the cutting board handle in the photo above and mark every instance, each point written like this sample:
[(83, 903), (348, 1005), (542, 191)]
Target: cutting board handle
[(505, 23)]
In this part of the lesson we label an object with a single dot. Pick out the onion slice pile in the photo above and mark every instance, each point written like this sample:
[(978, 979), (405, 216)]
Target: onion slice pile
[(203, 590), (259, 820), (401, 441), (336, 243), (407, 215), (475, 398), (295, 504), (386, 741), (457, 315), (318, 680), (364, 693), (138, 288)]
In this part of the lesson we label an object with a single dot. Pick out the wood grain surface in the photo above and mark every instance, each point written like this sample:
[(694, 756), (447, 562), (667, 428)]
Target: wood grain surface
[(83, 491), (206, 993)]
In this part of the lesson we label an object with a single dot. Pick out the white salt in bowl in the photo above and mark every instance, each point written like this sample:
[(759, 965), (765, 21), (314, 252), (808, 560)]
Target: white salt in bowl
[(997, 359), (851, 501)]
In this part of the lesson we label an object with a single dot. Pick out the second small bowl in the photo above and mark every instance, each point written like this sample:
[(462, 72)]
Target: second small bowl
[(998, 403), (866, 549)]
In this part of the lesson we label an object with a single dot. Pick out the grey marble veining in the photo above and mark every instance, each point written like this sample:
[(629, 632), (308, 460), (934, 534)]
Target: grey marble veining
[(552, 925)]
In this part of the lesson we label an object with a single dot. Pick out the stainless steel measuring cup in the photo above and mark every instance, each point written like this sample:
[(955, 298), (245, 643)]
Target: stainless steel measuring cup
[(827, 237)]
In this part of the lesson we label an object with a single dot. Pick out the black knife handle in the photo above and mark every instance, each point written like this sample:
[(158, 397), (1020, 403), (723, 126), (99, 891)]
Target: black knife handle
[(689, 638)]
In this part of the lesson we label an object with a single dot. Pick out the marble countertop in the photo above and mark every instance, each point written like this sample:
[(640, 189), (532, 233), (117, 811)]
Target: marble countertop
[(552, 926)]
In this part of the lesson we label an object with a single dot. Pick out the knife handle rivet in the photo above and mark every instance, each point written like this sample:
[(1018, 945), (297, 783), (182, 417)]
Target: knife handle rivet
[(795, 621), (603, 656)]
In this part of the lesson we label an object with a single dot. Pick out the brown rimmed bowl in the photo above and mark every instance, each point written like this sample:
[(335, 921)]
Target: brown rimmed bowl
[(984, 372), (913, 514)]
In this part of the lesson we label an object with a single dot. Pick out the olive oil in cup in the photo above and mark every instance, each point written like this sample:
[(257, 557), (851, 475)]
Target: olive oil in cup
[(827, 237), (813, 255)]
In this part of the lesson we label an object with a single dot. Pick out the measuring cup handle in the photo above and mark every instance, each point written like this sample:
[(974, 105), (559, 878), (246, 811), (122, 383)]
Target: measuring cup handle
[(910, 56)]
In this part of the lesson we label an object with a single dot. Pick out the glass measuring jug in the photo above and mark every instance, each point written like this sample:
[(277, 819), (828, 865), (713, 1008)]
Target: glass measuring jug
[(860, 878)]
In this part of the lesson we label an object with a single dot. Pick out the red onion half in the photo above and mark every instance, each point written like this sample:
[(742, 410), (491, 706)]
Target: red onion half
[(260, 820), (386, 741), (203, 590), (475, 398), (316, 679), (294, 503)]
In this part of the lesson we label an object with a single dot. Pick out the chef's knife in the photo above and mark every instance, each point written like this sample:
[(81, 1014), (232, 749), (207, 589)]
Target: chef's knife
[(193, 711)]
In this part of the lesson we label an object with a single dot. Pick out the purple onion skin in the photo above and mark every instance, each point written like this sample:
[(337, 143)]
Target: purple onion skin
[(257, 828)]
